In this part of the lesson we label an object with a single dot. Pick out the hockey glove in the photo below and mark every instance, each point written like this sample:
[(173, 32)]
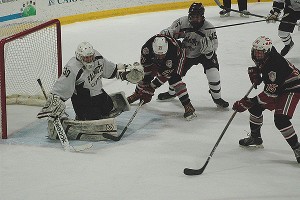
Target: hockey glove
[(273, 16), (132, 73), (54, 107), (146, 93), (136, 95), (242, 105), (254, 75)]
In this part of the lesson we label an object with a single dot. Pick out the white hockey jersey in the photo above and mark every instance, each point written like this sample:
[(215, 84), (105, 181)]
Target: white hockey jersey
[(74, 74), (181, 28)]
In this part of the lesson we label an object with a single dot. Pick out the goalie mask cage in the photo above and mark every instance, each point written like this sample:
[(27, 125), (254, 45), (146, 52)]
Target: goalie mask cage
[(28, 51)]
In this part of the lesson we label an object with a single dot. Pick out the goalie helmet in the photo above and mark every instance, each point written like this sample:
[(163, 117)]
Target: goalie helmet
[(261, 48), (196, 15), (160, 47), (85, 53)]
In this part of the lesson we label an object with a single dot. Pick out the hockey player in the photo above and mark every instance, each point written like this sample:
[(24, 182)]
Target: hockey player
[(242, 4), (81, 81), (162, 59), (291, 13), (201, 46), (281, 93)]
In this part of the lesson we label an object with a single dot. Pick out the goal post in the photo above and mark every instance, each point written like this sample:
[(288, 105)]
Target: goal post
[(28, 51)]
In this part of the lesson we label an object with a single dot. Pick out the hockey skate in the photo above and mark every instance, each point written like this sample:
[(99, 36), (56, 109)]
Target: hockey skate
[(221, 103), (166, 96), (252, 142), (245, 14), (224, 13), (132, 98), (287, 48), (297, 154), (189, 113)]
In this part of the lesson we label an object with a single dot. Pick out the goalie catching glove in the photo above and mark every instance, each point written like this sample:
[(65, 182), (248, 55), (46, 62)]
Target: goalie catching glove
[(54, 107), (132, 73)]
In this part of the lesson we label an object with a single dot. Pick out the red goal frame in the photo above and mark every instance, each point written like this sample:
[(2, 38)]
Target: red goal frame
[(54, 22)]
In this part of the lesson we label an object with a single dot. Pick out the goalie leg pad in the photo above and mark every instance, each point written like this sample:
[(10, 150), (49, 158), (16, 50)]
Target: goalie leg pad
[(51, 130), (90, 130), (120, 102)]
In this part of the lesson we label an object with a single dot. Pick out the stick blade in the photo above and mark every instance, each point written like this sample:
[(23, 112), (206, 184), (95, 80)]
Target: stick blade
[(80, 148), (192, 172), (111, 137)]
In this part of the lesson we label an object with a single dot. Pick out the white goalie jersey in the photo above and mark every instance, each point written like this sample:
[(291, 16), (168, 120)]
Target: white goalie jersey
[(74, 74), (193, 40)]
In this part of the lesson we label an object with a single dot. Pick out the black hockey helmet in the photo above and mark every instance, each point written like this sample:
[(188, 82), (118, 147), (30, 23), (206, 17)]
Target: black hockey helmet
[(196, 9), (196, 15)]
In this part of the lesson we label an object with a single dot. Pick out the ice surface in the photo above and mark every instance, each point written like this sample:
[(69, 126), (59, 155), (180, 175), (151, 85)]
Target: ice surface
[(148, 163)]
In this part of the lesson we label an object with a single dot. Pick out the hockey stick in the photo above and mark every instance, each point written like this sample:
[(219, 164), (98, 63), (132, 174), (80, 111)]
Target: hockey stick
[(251, 14), (61, 133), (224, 26), (191, 172), (117, 138), (236, 24)]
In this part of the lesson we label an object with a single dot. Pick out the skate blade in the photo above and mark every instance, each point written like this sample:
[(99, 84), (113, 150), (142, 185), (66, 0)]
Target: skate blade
[(191, 117), (165, 100), (222, 108), (252, 147)]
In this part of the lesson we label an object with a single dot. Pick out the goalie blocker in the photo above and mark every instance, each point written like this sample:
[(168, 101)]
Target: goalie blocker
[(92, 130)]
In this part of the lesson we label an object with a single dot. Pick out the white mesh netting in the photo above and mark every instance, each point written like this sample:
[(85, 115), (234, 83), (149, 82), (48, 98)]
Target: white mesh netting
[(28, 56)]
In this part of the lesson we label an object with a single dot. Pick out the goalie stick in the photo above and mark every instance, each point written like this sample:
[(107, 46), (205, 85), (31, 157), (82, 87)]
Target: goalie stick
[(191, 172), (251, 14), (117, 138), (64, 140), (61, 133)]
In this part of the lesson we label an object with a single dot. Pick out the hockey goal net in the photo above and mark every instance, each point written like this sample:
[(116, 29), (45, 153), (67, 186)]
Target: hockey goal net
[(28, 51)]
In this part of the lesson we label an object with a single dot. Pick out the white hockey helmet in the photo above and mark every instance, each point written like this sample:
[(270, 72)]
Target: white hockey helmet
[(85, 53), (260, 49), (160, 46)]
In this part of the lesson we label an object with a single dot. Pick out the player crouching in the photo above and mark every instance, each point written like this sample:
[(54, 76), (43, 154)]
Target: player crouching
[(81, 81), (162, 60)]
